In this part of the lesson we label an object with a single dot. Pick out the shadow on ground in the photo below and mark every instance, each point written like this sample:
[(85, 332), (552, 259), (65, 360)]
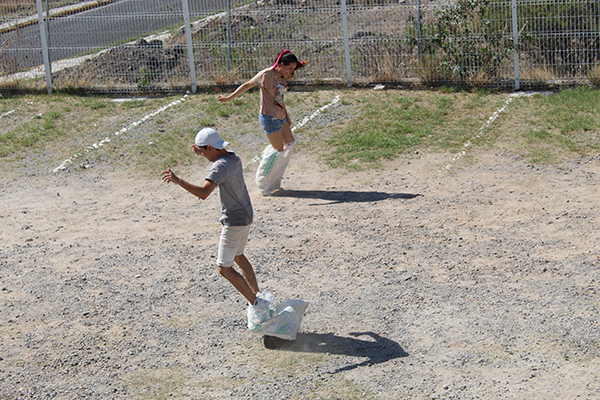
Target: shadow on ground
[(377, 350), (343, 196)]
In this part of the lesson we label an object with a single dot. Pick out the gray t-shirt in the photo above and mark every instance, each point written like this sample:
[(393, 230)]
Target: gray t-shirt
[(236, 208)]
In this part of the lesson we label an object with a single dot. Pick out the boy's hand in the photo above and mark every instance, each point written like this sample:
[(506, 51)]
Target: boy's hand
[(196, 149), (169, 176)]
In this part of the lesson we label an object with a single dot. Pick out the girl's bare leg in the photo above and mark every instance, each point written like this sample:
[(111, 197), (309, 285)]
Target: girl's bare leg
[(281, 138), (286, 133), (276, 140)]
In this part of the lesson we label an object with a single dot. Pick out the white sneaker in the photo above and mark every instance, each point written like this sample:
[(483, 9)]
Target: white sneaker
[(260, 311)]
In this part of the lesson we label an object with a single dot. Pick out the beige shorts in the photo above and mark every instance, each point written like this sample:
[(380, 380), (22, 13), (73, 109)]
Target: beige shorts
[(232, 243)]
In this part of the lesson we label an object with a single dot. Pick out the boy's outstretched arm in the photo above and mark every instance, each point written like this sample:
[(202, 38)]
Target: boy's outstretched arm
[(199, 191)]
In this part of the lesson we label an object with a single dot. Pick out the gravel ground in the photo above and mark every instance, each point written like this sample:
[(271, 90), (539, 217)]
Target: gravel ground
[(480, 283)]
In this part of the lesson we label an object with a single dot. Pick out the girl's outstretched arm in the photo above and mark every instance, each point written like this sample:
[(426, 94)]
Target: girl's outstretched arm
[(241, 89)]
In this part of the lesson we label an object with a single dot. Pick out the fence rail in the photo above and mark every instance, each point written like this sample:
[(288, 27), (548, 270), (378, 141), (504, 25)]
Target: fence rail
[(177, 45)]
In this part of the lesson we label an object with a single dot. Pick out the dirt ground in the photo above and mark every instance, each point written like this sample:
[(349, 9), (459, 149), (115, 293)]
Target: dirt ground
[(477, 283)]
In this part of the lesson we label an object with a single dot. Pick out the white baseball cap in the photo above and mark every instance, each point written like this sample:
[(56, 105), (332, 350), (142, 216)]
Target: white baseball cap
[(210, 137)]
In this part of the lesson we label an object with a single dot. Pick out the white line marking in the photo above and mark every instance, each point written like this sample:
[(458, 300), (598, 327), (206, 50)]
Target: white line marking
[(99, 144), (489, 122), (6, 113), (306, 120)]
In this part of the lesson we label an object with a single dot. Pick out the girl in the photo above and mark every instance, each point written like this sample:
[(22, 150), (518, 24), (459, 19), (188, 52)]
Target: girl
[(273, 117)]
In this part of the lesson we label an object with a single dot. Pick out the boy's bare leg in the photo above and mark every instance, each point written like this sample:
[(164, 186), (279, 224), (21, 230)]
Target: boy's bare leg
[(238, 282), (248, 272)]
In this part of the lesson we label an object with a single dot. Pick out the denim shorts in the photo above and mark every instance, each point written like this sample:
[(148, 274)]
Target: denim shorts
[(232, 243), (270, 124)]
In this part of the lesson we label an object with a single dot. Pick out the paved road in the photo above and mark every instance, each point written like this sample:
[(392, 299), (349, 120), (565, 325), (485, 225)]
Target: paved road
[(76, 34)]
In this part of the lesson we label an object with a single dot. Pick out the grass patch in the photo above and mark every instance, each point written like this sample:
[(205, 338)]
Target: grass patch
[(390, 124), (376, 126), (572, 111), (166, 150), (546, 129), (243, 108), (301, 364), (164, 383), (38, 128), (62, 124), (542, 129)]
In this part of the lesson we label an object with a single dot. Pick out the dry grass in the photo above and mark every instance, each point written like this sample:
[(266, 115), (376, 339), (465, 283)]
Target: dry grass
[(541, 73), (594, 76), (13, 8), (386, 70), (36, 85), (16, 12), (428, 69), (480, 79), (227, 78)]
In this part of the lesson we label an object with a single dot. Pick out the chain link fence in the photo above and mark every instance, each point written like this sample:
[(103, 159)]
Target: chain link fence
[(145, 45)]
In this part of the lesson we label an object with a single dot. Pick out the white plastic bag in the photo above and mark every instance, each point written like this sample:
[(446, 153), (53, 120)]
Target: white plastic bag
[(284, 321), (271, 168), (262, 309)]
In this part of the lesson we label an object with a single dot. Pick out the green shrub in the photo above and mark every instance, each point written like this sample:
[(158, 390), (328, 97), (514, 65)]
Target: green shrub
[(467, 39)]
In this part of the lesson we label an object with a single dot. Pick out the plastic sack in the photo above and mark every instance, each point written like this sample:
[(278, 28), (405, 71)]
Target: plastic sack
[(284, 321), (271, 168), (262, 309)]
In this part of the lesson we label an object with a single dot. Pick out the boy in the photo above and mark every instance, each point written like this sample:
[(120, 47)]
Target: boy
[(236, 216)]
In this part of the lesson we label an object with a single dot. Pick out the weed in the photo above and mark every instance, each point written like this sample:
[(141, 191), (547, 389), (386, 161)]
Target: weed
[(594, 75), (207, 122), (96, 104), (449, 89), (145, 77), (50, 118), (134, 103)]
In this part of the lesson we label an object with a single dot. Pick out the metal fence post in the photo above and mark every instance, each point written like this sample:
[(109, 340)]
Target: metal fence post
[(47, 8), (228, 36), (188, 39), (419, 30), (47, 64), (346, 43), (515, 32)]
